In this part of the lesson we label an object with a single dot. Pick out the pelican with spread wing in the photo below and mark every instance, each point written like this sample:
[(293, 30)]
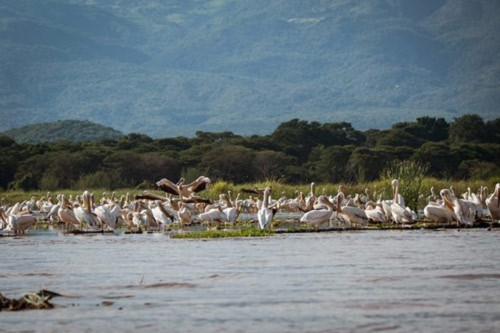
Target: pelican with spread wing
[(184, 191)]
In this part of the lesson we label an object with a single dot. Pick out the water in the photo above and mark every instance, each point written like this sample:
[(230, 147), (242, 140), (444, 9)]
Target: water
[(350, 281)]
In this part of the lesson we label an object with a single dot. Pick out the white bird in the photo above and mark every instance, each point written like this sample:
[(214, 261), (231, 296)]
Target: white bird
[(213, 215), (317, 217), (464, 209), (83, 213), (160, 213), (311, 198), (105, 217), (17, 223), (66, 213), (265, 214), (440, 212), (399, 213), (493, 204), (353, 215), (375, 212), (232, 213)]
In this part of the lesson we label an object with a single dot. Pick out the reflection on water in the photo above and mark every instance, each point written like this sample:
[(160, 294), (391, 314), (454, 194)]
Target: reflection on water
[(350, 281)]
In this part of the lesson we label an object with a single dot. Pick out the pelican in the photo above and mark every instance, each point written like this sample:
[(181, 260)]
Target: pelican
[(311, 198), (184, 191), (18, 223), (493, 204), (265, 214), (84, 213), (160, 213), (462, 208), (184, 214), (66, 214), (433, 196), (317, 217), (375, 212), (399, 213), (353, 215), (232, 213), (214, 214), (440, 212), (105, 217)]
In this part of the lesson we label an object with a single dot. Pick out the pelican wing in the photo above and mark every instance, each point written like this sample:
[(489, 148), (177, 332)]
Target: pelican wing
[(200, 184), (150, 196), (253, 190), (167, 186), (195, 199)]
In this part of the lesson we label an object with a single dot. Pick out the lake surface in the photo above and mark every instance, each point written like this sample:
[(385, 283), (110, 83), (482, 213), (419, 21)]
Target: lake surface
[(346, 281)]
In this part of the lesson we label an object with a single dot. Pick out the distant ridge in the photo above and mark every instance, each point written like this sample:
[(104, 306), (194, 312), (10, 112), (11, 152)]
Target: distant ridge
[(169, 68), (72, 130)]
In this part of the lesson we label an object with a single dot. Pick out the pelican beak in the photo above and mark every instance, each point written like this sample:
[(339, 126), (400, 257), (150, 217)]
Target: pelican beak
[(448, 203)]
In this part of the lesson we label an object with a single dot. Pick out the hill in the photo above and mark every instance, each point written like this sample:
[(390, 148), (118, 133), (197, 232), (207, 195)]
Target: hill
[(72, 130), (171, 68)]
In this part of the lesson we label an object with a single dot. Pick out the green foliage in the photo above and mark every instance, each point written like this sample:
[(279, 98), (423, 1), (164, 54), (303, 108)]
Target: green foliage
[(468, 128), (327, 153), (72, 130), (410, 176)]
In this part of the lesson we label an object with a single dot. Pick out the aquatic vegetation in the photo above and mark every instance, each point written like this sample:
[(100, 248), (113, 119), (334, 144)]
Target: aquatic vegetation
[(410, 176)]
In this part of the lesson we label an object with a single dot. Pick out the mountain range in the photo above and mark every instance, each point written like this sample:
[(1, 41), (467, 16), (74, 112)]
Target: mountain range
[(168, 68)]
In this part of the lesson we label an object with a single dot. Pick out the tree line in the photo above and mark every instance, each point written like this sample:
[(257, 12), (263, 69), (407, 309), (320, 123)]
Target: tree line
[(297, 151)]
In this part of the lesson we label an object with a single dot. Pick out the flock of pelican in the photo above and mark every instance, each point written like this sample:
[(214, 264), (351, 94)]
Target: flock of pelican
[(182, 206)]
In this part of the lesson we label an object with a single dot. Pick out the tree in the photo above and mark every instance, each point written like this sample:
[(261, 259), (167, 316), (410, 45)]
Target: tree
[(230, 163), (438, 157), (270, 164), (333, 164), (367, 164), (468, 128)]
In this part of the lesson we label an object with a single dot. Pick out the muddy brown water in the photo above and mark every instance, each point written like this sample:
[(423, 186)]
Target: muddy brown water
[(350, 281)]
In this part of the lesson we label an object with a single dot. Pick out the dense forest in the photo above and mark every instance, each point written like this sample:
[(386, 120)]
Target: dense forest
[(296, 151), (72, 130)]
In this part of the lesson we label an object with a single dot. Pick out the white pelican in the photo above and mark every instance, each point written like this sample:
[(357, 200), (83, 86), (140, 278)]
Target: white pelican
[(184, 191), (493, 204), (317, 217), (399, 213), (464, 209), (353, 215), (83, 213), (232, 213), (184, 214), (311, 198), (18, 223), (265, 214), (433, 196), (213, 215), (66, 214), (160, 213), (105, 217), (440, 212), (375, 212)]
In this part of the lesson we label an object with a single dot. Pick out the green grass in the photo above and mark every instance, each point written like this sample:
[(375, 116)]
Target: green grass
[(225, 233)]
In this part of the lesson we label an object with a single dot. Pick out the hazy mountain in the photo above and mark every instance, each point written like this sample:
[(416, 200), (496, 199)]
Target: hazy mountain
[(72, 130), (167, 68)]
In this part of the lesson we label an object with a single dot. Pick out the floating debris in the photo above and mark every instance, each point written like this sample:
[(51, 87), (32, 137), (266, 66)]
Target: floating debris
[(29, 301)]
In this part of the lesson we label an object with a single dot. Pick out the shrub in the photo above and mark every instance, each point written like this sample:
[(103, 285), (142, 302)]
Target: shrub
[(410, 176)]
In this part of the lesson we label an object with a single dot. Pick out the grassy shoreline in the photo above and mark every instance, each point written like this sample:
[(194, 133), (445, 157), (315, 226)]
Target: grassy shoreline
[(460, 186)]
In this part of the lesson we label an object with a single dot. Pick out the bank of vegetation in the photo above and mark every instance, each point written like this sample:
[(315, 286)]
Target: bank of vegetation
[(296, 152)]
